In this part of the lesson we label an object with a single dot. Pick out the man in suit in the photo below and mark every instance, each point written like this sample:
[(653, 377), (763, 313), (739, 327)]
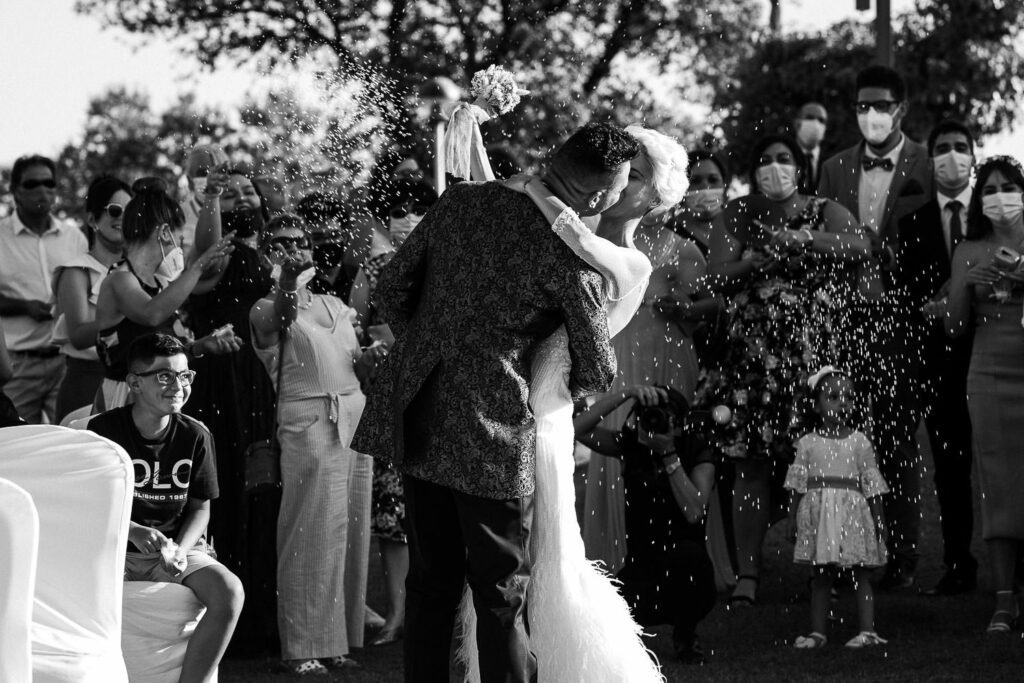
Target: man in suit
[(881, 180), (927, 240), (809, 128), (478, 283)]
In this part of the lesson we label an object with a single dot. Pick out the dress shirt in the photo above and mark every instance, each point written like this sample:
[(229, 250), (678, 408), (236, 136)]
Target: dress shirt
[(27, 261), (964, 198), (874, 187)]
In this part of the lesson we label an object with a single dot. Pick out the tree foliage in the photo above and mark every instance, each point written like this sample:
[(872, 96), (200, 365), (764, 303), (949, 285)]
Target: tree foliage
[(960, 58), (627, 59)]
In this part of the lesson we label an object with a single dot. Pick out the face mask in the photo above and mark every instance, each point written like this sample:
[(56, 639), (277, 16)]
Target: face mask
[(198, 184), (875, 126), (810, 133), (301, 281), (705, 203), (952, 169), (404, 225), (777, 181), (1003, 208), (172, 265), (245, 222)]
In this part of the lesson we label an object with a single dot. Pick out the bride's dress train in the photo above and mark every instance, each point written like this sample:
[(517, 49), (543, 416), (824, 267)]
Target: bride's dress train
[(581, 629)]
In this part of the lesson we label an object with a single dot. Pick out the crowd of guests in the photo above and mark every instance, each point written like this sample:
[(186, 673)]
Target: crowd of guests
[(830, 310)]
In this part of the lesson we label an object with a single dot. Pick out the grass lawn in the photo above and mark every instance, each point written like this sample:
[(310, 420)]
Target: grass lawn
[(933, 639)]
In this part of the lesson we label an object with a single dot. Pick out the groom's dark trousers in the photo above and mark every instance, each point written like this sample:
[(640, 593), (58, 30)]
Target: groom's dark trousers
[(455, 537)]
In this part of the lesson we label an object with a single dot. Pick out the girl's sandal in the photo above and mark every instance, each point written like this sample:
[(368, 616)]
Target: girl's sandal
[(812, 642)]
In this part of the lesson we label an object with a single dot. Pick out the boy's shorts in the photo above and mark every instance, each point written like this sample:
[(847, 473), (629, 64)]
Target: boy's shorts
[(150, 566)]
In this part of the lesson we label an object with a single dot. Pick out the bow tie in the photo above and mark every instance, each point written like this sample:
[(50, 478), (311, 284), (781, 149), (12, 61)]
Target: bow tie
[(878, 162)]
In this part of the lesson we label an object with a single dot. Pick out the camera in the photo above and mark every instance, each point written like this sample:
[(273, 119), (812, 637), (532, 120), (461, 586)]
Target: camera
[(1006, 259), (655, 419)]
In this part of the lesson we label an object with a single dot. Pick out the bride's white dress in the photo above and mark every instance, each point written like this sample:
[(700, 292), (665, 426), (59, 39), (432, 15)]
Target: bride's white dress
[(581, 629)]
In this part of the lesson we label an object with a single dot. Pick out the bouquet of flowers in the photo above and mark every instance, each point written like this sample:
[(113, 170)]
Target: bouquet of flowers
[(496, 88)]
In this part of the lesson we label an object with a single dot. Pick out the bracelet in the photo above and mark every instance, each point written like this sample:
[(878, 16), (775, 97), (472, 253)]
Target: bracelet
[(810, 235), (287, 291), (672, 467), (192, 350)]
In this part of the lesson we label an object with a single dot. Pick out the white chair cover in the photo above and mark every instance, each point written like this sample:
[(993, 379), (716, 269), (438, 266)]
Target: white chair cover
[(19, 543), (159, 619), (82, 486), (78, 414)]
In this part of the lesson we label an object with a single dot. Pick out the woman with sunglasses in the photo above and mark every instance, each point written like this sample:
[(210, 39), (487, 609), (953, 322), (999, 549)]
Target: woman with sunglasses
[(323, 525), (76, 286), (234, 397), (407, 201), (143, 292)]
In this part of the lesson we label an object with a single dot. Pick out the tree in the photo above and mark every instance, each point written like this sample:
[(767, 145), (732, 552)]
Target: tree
[(960, 58), (573, 54)]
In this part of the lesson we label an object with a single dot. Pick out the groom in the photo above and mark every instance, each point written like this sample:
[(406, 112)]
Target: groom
[(472, 291)]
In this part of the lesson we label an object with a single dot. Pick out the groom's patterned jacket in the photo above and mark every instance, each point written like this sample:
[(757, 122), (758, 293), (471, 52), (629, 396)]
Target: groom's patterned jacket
[(477, 284)]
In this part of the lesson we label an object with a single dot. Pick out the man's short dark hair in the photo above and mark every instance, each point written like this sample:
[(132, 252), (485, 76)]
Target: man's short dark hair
[(595, 151), (949, 126), (147, 348), (22, 164), (878, 76)]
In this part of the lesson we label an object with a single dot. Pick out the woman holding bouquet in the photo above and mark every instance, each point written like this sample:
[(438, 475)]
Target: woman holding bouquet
[(787, 259)]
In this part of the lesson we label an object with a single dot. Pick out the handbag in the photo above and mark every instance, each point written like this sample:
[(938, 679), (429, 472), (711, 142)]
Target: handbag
[(263, 457)]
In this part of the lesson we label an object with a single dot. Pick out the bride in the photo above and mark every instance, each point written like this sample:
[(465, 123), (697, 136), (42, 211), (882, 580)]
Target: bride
[(580, 627)]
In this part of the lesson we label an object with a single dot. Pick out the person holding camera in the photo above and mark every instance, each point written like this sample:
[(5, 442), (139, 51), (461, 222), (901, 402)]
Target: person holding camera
[(985, 295), (668, 475)]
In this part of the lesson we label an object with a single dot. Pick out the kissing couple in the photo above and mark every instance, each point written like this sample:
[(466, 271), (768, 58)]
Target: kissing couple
[(503, 301)]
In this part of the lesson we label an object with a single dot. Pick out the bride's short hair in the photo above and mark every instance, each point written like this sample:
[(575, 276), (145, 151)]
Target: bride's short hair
[(669, 160)]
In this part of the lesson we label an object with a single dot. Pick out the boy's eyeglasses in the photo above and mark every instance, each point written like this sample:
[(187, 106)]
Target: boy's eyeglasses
[(167, 377), (33, 183)]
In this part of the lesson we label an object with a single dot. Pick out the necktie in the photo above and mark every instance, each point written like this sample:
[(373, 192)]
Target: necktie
[(956, 226), (878, 162)]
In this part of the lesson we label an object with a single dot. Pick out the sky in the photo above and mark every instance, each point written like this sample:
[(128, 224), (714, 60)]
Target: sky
[(55, 60)]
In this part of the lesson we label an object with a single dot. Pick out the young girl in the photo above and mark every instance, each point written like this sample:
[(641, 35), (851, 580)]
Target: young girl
[(836, 507)]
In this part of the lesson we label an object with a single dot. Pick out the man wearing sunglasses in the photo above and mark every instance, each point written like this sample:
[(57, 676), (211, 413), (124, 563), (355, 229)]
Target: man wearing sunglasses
[(175, 479), (881, 180), (32, 243)]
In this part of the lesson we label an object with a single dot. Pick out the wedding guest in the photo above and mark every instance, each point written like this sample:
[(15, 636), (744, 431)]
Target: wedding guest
[(928, 240), (790, 260), (76, 287), (8, 414), (273, 193), (704, 201), (880, 180), (32, 242), (323, 525), (175, 480), (201, 160), (143, 292), (985, 294), (408, 202), (809, 127), (233, 397), (331, 228)]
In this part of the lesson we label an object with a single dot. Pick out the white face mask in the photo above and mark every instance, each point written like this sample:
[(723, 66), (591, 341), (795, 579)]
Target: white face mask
[(198, 184), (403, 226), (777, 181), (810, 133), (706, 203), (875, 126), (952, 169), (1003, 208), (172, 265), (301, 281)]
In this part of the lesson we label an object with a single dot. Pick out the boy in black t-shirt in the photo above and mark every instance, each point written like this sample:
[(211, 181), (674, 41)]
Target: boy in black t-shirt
[(175, 479), (668, 476)]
